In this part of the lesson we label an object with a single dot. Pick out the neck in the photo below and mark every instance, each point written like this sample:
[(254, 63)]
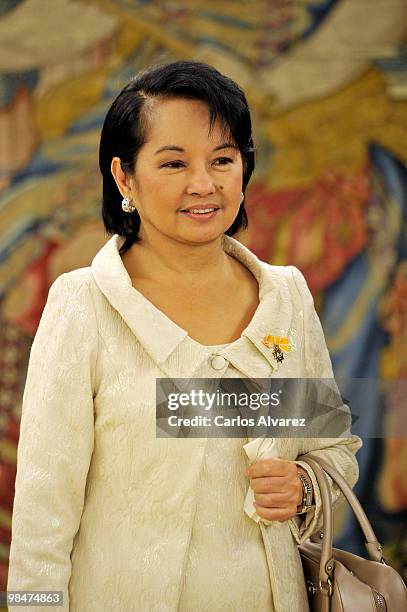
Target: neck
[(166, 260)]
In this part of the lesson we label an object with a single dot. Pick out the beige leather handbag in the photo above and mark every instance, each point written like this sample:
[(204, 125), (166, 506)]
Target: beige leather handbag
[(337, 580)]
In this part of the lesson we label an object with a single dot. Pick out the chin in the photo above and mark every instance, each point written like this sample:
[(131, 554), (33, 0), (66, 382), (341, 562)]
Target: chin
[(201, 238)]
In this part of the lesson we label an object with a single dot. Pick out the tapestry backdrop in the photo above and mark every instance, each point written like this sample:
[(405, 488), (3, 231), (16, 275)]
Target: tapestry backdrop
[(327, 85)]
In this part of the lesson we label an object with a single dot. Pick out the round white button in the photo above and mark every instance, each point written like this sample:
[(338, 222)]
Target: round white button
[(218, 362)]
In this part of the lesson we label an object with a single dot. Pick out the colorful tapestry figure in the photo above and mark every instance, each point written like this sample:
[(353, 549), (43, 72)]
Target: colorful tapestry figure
[(357, 341), (320, 87)]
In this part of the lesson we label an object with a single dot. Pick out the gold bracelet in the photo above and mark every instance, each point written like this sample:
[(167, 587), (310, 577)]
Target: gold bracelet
[(306, 502)]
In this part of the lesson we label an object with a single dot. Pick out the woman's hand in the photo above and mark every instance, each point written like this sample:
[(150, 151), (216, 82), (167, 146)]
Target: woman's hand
[(277, 488)]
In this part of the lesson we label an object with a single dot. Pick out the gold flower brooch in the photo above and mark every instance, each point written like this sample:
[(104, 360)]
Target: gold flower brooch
[(280, 346)]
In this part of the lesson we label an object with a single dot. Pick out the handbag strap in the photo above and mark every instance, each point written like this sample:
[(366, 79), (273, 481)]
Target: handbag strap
[(373, 547), (326, 562)]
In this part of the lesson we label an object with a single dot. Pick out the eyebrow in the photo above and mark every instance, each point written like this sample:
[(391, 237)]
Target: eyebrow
[(225, 145)]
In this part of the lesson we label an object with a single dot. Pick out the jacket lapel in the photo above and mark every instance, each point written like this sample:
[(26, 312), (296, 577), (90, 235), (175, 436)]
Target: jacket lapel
[(155, 331)]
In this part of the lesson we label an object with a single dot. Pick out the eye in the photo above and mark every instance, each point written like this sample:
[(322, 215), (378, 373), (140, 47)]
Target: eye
[(174, 164), (225, 160)]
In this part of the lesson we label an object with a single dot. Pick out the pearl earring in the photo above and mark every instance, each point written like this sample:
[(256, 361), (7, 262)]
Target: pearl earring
[(242, 198), (126, 206)]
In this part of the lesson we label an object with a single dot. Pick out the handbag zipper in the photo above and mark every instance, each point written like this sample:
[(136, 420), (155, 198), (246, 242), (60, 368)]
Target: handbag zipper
[(379, 601)]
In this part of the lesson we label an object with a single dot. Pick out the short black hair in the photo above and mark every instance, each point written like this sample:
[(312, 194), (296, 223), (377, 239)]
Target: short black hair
[(125, 130)]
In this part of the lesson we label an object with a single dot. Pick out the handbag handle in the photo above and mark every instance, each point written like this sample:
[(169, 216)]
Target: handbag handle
[(374, 549)]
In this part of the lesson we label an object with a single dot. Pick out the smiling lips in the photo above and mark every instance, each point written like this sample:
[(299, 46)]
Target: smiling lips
[(205, 212)]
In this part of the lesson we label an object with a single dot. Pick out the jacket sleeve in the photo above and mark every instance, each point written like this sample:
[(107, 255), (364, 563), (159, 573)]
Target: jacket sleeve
[(339, 452), (56, 441)]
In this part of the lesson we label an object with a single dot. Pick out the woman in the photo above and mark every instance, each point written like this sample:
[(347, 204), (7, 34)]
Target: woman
[(106, 512)]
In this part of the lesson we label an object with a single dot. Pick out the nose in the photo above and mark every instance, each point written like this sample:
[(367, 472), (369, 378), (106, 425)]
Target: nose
[(200, 183)]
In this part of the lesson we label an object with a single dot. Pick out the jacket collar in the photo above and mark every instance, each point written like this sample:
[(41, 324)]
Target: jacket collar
[(160, 336)]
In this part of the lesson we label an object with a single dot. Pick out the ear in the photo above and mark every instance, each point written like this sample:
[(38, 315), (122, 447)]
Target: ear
[(123, 181)]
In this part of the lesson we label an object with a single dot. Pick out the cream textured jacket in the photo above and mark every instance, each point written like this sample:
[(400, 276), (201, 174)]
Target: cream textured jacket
[(103, 509)]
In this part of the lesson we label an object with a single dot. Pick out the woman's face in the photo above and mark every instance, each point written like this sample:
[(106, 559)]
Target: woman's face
[(182, 167)]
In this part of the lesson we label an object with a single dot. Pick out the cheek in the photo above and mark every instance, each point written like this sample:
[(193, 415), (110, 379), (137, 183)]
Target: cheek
[(235, 177), (155, 189), (232, 183)]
